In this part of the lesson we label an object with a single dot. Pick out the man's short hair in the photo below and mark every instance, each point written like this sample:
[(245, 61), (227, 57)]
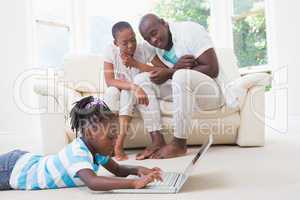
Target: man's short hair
[(148, 17)]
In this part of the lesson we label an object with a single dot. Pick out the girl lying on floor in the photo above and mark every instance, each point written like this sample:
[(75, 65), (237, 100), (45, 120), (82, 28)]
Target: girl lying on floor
[(77, 164)]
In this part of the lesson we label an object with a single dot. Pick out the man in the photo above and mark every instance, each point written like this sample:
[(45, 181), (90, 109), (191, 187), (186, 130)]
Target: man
[(190, 80)]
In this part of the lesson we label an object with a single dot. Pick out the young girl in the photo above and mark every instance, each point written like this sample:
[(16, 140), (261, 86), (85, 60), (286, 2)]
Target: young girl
[(77, 164), (123, 60)]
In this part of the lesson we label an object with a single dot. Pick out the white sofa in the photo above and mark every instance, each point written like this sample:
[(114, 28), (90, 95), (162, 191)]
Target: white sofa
[(82, 75)]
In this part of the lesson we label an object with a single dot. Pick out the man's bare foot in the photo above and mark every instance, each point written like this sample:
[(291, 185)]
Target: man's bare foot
[(120, 155), (158, 141), (175, 149), (147, 153), (169, 151)]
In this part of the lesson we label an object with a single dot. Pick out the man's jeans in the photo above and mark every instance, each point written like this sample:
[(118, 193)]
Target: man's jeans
[(7, 163)]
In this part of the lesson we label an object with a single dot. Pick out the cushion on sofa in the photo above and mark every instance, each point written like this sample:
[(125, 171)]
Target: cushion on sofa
[(166, 108), (84, 73)]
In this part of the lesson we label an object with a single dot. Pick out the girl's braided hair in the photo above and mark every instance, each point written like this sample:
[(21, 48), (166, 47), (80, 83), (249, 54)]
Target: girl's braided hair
[(88, 111)]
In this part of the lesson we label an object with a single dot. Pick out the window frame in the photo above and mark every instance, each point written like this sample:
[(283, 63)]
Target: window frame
[(233, 18), (77, 24), (36, 21), (224, 25)]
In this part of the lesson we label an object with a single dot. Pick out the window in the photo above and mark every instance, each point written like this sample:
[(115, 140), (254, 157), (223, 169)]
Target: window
[(184, 10), (242, 25), (101, 17), (249, 32), (52, 31)]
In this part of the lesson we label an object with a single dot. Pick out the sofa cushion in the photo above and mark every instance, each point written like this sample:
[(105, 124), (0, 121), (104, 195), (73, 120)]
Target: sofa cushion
[(224, 131), (84, 73), (166, 108)]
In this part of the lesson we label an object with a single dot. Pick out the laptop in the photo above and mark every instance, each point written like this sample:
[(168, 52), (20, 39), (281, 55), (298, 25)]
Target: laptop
[(172, 181)]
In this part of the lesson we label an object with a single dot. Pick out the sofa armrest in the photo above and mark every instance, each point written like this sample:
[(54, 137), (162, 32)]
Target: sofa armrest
[(237, 90), (64, 96), (58, 100), (52, 127), (252, 127)]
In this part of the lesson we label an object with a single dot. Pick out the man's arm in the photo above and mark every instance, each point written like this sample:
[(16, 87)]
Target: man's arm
[(207, 63), (158, 63)]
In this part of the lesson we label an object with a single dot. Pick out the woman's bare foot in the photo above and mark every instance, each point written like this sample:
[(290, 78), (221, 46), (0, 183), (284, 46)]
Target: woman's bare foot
[(120, 154)]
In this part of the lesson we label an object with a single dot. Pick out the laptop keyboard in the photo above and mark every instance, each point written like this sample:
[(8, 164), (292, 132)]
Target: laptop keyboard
[(169, 179)]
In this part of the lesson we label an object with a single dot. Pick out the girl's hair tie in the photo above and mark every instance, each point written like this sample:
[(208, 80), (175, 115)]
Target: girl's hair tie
[(96, 101)]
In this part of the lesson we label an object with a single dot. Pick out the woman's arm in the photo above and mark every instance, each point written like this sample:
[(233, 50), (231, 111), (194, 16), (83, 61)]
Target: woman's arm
[(144, 67), (156, 63), (111, 81)]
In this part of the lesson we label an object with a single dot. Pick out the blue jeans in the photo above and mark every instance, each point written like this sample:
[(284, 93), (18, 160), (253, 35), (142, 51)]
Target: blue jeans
[(7, 163)]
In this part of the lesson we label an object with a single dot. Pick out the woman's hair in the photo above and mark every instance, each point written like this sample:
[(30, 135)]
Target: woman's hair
[(118, 27), (89, 111)]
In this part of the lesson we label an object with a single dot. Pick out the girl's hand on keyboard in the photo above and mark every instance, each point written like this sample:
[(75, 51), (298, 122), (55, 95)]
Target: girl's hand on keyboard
[(146, 179), (145, 171)]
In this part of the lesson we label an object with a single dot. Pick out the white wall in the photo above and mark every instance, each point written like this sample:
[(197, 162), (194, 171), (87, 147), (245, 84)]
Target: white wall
[(284, 27), (17, 129)]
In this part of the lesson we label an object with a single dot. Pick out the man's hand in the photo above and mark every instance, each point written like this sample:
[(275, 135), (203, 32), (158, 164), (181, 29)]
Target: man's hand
[(128, 61), (145, 180), (161, 75), (140, 95), (142, 171), (186, 62)]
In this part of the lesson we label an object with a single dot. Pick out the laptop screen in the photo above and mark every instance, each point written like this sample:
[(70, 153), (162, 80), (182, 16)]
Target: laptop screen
[(200, 154)]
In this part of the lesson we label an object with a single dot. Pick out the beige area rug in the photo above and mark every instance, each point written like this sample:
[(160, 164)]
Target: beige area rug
[(227, 172)]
